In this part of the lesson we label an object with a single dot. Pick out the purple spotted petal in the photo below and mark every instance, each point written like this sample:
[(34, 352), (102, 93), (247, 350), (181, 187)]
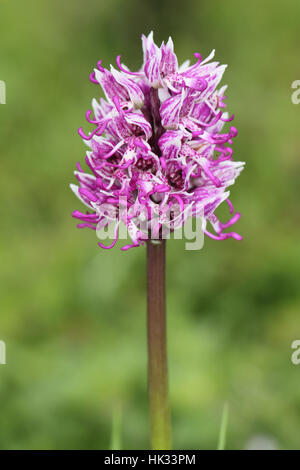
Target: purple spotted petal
[(110, 86), (170, 144), (135, 93), (170, 110), (168, 64)]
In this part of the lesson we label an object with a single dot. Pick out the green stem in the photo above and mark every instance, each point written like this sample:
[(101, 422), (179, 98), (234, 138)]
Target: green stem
[(157, 351)]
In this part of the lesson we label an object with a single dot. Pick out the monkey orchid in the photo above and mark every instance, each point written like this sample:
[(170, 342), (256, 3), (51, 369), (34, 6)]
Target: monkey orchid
[(158, 155)]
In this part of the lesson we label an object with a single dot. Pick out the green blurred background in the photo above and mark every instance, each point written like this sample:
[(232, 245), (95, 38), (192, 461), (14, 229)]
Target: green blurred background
[(73, 315)]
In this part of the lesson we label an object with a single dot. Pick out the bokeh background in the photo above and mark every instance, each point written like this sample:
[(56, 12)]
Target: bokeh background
[(73, 315)]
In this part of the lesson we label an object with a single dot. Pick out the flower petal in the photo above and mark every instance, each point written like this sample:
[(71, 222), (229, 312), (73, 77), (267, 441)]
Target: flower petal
[(136, 120), (169, 63), (170, 110), (135, 93), (110, 85), (170, 144)]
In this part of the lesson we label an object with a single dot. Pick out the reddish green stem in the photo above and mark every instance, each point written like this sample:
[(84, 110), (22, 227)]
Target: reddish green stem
[(157, 350)]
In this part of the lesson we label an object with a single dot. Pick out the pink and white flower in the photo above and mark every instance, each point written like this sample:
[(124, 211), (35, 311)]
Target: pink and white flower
[(158, 144)]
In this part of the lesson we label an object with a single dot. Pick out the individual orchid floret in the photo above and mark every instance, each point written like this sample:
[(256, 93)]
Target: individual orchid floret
[(159, 147)]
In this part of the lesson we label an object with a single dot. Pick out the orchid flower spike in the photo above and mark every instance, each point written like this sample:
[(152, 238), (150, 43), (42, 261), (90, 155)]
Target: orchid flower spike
[(158, 144)]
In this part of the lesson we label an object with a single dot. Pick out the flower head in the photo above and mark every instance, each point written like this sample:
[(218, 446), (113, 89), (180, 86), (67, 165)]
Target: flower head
[(157, 154)]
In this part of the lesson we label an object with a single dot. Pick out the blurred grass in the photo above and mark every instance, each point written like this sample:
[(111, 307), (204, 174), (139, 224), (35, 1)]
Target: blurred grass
[(116, 434), (223, 428), (72, 315)]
